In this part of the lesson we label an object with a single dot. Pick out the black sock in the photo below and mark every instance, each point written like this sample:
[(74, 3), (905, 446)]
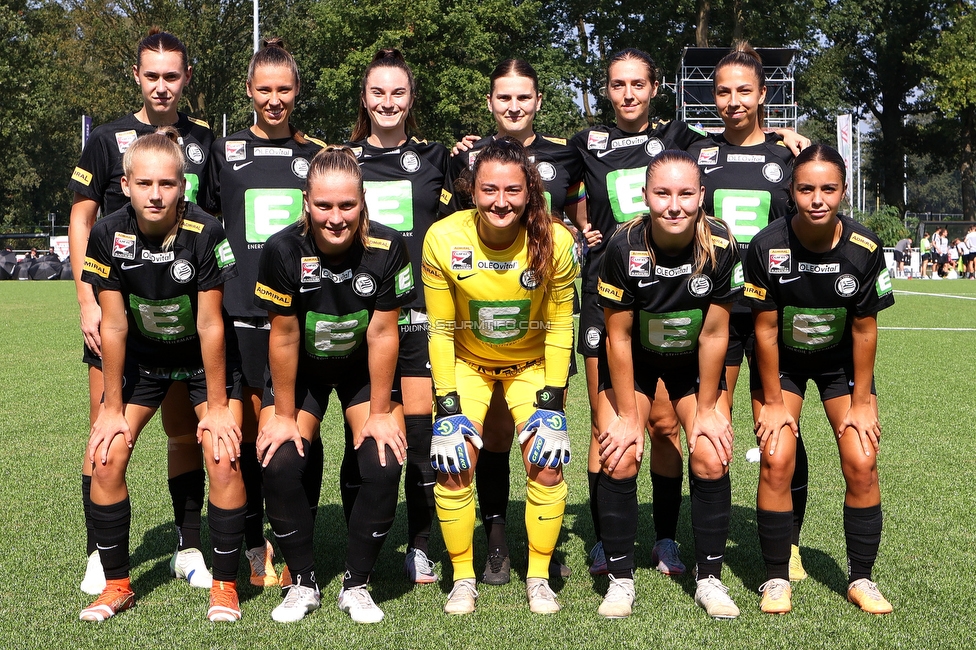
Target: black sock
[(666, 496), (226, 535), (312, 477), (862, 528), (798, 489), (251, 473), (593, 479), (86, 503), (493, 483), (288, 510), (111, 525), (350, 480), (186, 490), (418, 482), (372, 515), (617, 499), (711, 506), (774, 540)]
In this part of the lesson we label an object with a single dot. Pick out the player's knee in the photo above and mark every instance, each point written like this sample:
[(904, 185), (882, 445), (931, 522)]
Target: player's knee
[(286, 465), (370, 468), (626, 467), (776, 472), (706, 463), (861, 474)]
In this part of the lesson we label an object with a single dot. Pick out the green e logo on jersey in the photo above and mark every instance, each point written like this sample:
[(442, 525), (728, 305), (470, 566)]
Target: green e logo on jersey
[(334, 336), (163, 320), (192, 187), (625, 189), (499, 321), (675, 331), (883, 285), (390, 203), (746, 211), (809, 328), (225, 255), (738, 277), (403, 281), (268, 211)]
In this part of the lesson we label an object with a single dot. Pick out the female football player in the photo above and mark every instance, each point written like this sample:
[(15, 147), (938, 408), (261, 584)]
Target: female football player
[(667, 284), (816, 282), (405, 179), (256, 181), (159, 266), (162, 71), (747, 177), (513, 99), (499, 286), (333, 285)]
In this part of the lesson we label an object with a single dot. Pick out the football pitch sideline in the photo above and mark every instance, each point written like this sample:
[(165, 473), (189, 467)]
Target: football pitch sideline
[(925, 381)]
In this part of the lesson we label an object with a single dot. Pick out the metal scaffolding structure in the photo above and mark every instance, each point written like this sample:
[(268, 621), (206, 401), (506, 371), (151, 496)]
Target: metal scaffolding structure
[(693, 93)]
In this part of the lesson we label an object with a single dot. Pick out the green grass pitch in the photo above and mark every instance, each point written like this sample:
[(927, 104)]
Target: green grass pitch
[(926, 564)]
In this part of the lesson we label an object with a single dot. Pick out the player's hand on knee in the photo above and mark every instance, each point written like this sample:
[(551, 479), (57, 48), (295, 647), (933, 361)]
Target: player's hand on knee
[(550, 448), (773, 418), (277, 431), (224, 431), (384, 429), (621, 434), (103, 432), (452, 431), (864, 420), (717, 428)]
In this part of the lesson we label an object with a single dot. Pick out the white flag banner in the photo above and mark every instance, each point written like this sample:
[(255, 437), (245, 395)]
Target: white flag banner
[(844, 147)]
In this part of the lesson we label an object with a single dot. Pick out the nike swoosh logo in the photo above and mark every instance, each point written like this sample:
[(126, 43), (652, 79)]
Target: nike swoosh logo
[(851, 384), (427, 484), (380, 534), (286, 534), (788, 280), (616, 559), (643, 284), (126, 267), (353, 485), (307, 289), (550, 518), (105, 548), (601, 154), (709, 170), (465, 277), (238, 166), (219, 552), (713, 557)]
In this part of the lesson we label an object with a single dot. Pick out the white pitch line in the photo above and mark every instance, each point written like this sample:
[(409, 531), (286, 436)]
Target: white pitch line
[(931, 329), (936, 295)]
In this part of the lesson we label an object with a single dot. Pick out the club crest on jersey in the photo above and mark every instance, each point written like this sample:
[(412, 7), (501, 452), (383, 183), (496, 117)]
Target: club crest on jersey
[(528, 280), (772, 172), (708, 156), (299, 167), (597, 140), (310, 270), (410, 162), (182, 271), (235, 150), (364, 285), (194, 153), (592, 338), (653, 147), (158, 258), (124, 246), (546, 170), (700, 285), (779, 261), (124, 138), (462, 259), (640, 265), (472, 156), (846, 285)]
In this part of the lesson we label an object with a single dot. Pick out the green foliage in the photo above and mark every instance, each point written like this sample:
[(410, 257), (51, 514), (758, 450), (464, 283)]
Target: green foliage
[(886, 223)]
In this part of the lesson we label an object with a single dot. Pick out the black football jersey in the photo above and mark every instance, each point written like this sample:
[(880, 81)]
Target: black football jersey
[(160, 287), (559, 165), (816, 295), (614, 169), (407, 189), (98, 175), (669, 297), (256, 186), (333, 303)]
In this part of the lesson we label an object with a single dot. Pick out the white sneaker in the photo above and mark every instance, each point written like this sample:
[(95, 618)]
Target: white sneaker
[(619, 601), (419, 568), (299, 601), (189, 565), (357, 602), (714, 598), (94, 581), (542, 599), (462, 598)]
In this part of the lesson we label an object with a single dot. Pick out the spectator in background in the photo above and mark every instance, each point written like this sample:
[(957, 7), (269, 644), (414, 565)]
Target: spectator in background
[(957, 252), (903, 251), (940, 255), (925, 248), (32, 254), (970, 259)]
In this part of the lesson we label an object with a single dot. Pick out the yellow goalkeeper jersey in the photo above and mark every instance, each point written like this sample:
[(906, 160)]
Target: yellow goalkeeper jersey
[(486, 308)]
